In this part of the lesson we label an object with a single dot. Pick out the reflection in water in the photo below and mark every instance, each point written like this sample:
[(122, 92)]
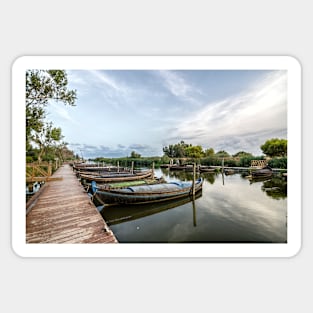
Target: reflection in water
[(276, 187), (209, 177), (235, 211), (116, 214)]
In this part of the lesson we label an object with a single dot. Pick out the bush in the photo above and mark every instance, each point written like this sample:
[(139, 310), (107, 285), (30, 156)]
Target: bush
[(278, 163), (246, 161), (29, 159)]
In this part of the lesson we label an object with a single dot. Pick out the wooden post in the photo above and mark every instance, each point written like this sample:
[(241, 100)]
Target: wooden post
[(49, 169), (223, 170), (132, 170), (152, 174), (118, 166), (194, 180), (194, 213)]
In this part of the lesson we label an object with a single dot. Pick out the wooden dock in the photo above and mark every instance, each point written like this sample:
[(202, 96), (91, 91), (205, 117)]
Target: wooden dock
[(64, 213)]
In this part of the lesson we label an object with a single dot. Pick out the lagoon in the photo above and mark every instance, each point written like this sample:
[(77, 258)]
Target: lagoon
[(230, 209)]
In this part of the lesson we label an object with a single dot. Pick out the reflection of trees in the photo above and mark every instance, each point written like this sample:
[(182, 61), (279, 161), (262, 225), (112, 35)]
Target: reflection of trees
[(276, 188), (181, 175), (209, 177)]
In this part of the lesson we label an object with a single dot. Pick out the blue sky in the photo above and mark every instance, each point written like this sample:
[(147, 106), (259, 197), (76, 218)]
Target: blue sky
[(119, 111)]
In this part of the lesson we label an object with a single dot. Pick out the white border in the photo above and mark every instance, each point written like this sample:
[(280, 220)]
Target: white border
[(157, 250)]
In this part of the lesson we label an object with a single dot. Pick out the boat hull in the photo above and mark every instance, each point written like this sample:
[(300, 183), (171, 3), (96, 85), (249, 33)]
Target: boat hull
[(116, 178), (129, 196)]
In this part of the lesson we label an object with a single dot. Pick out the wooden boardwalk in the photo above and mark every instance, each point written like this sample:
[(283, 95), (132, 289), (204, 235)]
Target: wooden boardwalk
[(63, 213)]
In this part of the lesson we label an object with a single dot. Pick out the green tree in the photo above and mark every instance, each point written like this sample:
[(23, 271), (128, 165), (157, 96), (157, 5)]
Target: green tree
[(43, 86), (209, 152), (275, 147), (176, 151), (135, 155), (194, 151), (242, 154), (222, 154), (47, 138)]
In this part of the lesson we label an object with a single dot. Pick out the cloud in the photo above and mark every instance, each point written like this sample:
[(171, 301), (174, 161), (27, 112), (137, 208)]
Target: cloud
[(260, 110), (104, 78), (137, 146), (61, 111), (178, 86), (93, 151)]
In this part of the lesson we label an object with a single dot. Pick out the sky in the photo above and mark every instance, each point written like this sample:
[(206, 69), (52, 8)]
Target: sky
[(120, 111)]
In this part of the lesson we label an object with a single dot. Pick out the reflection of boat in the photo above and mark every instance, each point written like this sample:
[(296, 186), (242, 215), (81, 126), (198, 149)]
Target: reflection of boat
[(229, 171), (206, 169), (187, 167), (264, 172), (145, 193), (120, 213), (116, 177)]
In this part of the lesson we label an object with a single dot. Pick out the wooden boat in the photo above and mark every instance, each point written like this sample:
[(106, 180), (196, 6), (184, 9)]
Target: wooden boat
[(96, 168), (79, 173), (145, 193), (125, 184), (264, 172), (116, 177)]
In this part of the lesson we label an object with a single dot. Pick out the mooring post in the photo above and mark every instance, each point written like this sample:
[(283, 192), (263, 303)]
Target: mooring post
[(132, 167), (194, 213), (118, 166), (194, 180), (152, 174)]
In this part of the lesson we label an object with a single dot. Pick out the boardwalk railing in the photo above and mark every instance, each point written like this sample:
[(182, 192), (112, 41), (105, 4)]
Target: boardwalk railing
[(39, 171), (258, 164)]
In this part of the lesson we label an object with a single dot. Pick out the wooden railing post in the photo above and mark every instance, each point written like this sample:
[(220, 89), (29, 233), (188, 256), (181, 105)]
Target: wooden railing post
[(50, 169)]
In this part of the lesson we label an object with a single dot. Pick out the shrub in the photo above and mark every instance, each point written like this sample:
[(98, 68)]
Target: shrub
[(29, 159), (278, 163)]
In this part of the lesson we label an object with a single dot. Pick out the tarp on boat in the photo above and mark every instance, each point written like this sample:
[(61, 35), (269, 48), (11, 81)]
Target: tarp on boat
[(173, 186)]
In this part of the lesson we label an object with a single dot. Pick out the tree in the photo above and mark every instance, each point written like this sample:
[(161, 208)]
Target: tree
[(209, 152), (135, 155), (275, 147), (43, 86), (176, 151), (194, 151), (242, 154), (47, 138), (222, 154)]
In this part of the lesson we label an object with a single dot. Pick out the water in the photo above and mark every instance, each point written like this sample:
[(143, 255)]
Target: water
[(230, 209)]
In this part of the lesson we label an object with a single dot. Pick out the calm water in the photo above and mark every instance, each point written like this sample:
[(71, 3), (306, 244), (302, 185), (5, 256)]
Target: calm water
[(229, 209)]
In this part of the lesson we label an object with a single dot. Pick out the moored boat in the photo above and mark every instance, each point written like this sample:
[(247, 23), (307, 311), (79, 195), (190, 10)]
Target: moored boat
[(116, 177), (146, 193), (264, 172)]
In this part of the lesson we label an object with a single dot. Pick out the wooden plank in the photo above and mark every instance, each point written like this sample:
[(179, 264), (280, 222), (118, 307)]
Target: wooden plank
[(63, 213)]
